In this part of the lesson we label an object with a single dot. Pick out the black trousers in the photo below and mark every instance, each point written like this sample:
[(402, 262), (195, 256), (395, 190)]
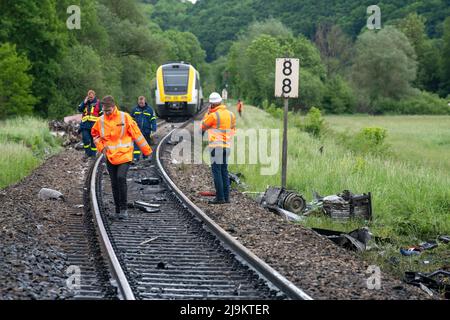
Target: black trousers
[(118, 175)]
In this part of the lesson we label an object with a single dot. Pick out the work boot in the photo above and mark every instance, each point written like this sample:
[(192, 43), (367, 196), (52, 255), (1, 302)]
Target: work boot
[(215, 201), (123, 214)]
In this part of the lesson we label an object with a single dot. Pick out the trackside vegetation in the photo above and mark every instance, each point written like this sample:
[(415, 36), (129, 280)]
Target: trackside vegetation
[(24, 144), (411, 194)]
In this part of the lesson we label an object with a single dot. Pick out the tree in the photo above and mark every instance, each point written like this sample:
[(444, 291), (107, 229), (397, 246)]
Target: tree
[(335, 48), (185, 46), (37, 32), (15, 83), (385, 65), (445, 75)]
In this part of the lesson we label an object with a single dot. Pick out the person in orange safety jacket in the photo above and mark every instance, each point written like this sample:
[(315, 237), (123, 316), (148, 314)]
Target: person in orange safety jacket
[(114, 134), (220, 123)]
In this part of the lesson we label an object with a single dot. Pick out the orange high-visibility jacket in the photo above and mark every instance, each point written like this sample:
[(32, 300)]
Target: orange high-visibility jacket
[(240, 106), (220, 123), (117, 132)]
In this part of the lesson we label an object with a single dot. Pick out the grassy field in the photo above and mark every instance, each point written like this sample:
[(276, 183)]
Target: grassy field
[(24, 144), (424, 140), (410, 187)]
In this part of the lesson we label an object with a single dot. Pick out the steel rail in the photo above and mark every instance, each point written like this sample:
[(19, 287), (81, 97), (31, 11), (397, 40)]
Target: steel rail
[(273, 276), (126, 293)]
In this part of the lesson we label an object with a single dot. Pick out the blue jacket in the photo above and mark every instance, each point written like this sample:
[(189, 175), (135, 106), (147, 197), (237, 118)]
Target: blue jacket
[(91, 111), (145, 118)]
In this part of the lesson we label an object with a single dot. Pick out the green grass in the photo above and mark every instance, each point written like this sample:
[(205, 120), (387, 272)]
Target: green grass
[(410, 187), (24, 144), (424, 140)]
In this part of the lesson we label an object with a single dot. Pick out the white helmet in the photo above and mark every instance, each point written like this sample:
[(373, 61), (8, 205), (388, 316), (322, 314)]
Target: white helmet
[(215, 98)]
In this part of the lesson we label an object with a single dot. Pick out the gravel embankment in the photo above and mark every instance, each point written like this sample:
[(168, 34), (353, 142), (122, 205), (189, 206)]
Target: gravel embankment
[(33, 258)]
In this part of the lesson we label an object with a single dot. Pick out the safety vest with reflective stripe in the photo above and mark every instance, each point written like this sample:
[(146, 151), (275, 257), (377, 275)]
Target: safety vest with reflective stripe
[(220, 123), (117, 132), (91, 110)]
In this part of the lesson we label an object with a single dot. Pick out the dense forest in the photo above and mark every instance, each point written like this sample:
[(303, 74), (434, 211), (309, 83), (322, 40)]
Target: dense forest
[(345, 68)]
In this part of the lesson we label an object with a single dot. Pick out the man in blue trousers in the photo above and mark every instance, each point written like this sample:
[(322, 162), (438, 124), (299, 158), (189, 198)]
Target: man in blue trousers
[(145, 118)]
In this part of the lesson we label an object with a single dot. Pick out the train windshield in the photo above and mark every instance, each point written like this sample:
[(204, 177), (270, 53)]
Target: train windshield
[(176, 79)]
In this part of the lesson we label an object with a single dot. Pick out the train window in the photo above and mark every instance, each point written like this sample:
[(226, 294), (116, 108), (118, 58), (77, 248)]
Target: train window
[(176, 80)]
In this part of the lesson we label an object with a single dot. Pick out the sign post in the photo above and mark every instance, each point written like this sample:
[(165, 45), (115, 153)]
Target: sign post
[(286, 86)]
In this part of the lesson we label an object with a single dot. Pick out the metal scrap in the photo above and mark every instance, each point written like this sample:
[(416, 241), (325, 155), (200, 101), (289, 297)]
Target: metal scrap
[(50, 194), (356, 240)]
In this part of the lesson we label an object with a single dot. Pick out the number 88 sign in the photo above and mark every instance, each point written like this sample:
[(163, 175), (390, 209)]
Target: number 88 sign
[(286, 77)]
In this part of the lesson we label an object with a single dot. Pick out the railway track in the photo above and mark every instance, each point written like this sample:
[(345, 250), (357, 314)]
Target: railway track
[(172, 250)]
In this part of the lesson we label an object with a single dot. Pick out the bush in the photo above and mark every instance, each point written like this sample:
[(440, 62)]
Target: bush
[(419, 103), (339, 97), (370, 140), (314, 123)]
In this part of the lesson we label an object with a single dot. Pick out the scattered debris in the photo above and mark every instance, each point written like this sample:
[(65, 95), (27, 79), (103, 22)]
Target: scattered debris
[(348, 205), (145, 208), (276, 197), (148, 241), (236, 178), (438, 280), (413, 251), (416, 250), (444, 239), (428, 245), (289, 216), (68, 130), (148, 181), (150, 205), (50, 194), (207, 193), (356, 240)]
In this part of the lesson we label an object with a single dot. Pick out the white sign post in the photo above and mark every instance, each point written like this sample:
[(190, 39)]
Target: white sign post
[(286, 86)]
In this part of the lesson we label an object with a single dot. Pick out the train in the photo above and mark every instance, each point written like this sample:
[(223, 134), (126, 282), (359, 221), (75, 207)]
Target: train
[(178, 90)]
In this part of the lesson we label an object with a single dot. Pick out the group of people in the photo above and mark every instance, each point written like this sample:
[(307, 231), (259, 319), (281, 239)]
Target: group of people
[(122, 138)]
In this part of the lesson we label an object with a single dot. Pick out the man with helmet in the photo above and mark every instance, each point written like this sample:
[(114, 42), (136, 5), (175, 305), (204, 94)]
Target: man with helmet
[(220, 124)]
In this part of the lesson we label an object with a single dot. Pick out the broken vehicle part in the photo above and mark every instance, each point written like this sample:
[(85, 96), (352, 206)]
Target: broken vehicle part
[(148, 181), (276, 197), (347, 205), (355, 240), (50, 194), (145, 204)]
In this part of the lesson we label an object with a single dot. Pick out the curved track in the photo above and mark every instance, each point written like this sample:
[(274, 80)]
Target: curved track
[(175, 251)]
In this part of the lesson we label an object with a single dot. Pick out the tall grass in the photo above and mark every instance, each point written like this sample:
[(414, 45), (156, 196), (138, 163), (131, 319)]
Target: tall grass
[(410, 201), (24, 144)]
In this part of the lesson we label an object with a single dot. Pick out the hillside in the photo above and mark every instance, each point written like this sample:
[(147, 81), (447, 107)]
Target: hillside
[(216, 23)]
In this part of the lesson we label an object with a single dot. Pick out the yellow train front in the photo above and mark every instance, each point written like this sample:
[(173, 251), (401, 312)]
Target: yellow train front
[(178, 90)]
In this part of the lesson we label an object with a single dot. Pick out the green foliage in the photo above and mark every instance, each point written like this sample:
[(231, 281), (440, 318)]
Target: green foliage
[(184, 46), (314, 123), (445, 72), (251, 64), (369, 140), (339, 96), (417, 103), (15, 83), (35, 29), (24, 143), (384, 66)]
